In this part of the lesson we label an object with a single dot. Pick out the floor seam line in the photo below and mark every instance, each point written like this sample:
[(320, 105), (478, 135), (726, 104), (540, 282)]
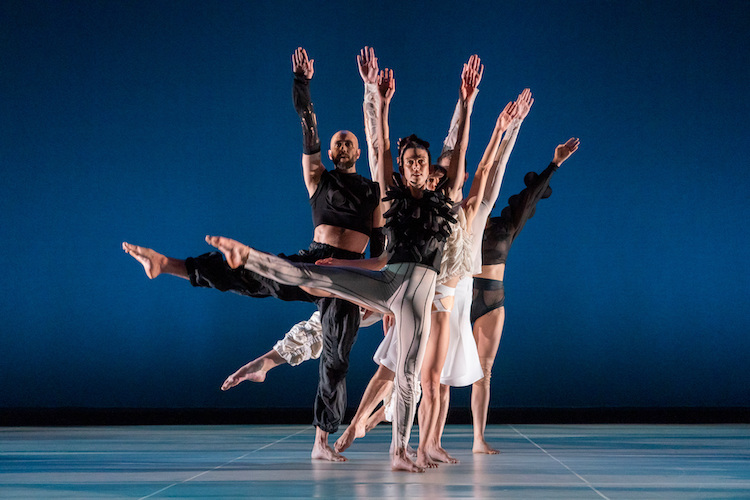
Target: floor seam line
[(587, 483), (268, 445)]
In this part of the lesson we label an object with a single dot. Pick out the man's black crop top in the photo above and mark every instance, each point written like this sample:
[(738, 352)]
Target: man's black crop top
[(345, 200), (501, 231), (417, 227)]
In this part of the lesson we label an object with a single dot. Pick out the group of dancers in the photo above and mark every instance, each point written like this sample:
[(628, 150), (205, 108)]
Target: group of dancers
[(435, 275)]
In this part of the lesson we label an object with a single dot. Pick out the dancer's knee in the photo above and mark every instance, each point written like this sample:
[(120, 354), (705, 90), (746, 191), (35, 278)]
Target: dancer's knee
[(487, 373), (445, 394), (431, 389)]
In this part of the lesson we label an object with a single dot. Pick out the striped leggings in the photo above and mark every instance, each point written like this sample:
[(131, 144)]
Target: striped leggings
[(404, 289)]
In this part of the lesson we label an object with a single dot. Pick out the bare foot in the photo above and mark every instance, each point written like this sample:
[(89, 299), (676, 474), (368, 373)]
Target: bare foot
[(235, 253), (440, 455), (354, 431), (321, 451), (400, 461), (253, 372), (152, 261), (423, 460), (481, 446)]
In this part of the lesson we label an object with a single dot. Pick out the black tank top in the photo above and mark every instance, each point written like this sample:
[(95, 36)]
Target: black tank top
[(345, 200)]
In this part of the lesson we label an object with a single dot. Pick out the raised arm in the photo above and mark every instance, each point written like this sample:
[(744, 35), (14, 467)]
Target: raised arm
[(523, 205), (470, 78), (386, 89), (449, 143), (500, 161), (367, 64), (486, 165), (312, 165)]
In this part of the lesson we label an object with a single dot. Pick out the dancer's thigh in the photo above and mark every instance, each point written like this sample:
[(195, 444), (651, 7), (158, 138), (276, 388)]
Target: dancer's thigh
[(370, 289), (487, 332), (412, 306)]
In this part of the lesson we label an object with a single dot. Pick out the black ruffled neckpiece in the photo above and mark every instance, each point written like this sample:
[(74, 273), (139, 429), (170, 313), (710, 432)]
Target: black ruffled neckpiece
[(417, 227)]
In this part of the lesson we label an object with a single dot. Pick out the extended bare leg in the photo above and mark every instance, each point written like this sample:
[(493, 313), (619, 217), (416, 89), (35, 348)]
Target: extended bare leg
[(437, 347), (379, 385), (155, 263), (255, 370), (411, 301), (440, 454), (487, 332)]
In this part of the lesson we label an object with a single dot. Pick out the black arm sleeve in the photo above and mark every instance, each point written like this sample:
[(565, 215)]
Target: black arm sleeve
[(524, 204), (304, 107)]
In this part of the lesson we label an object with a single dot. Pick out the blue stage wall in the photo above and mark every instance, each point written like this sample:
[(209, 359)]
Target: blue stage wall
[(160, 122)]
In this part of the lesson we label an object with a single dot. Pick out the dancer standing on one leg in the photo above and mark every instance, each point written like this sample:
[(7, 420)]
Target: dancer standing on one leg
[(464, 367), (457, 260), (457, 263), (376, 108), (488, 309), (345, 210), (417, 226)]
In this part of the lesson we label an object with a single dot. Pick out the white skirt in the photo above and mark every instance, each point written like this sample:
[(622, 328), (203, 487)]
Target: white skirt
[(462, 360), (462, 365)]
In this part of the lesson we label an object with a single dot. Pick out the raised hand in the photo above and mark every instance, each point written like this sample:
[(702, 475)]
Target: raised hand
[(563, 151), (368, 65), (524, 103), (386, 84), (506, 116), (301, 65), (470, 78)]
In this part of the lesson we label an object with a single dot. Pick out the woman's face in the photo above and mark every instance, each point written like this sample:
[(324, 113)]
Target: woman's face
[(434, 179), (415, 164)]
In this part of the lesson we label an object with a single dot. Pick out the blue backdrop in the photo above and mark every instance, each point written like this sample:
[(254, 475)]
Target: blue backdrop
[(160, 122)]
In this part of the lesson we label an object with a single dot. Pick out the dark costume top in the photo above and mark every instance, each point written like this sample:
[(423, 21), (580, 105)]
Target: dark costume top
[(345, 200), (417, 227), (501, 231)]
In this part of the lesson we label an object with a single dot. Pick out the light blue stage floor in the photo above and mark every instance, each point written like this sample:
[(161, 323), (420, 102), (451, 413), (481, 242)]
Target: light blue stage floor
[(537, 461)]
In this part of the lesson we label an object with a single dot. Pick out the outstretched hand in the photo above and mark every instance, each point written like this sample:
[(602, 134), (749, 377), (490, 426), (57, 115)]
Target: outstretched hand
[(509, 112), (301, 65), (563, 151), (368, 65), (386, 84), (524, 103), (470, 78)]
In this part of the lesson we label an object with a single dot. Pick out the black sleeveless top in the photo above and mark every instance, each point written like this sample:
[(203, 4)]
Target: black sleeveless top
[(501, 231), (345, 200), (417, 227)]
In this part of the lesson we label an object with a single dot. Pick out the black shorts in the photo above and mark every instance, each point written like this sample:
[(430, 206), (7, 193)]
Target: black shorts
[(488, 295)]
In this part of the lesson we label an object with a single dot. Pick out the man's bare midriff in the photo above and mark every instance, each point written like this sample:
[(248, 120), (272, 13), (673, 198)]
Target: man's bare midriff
[(339, 237)]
